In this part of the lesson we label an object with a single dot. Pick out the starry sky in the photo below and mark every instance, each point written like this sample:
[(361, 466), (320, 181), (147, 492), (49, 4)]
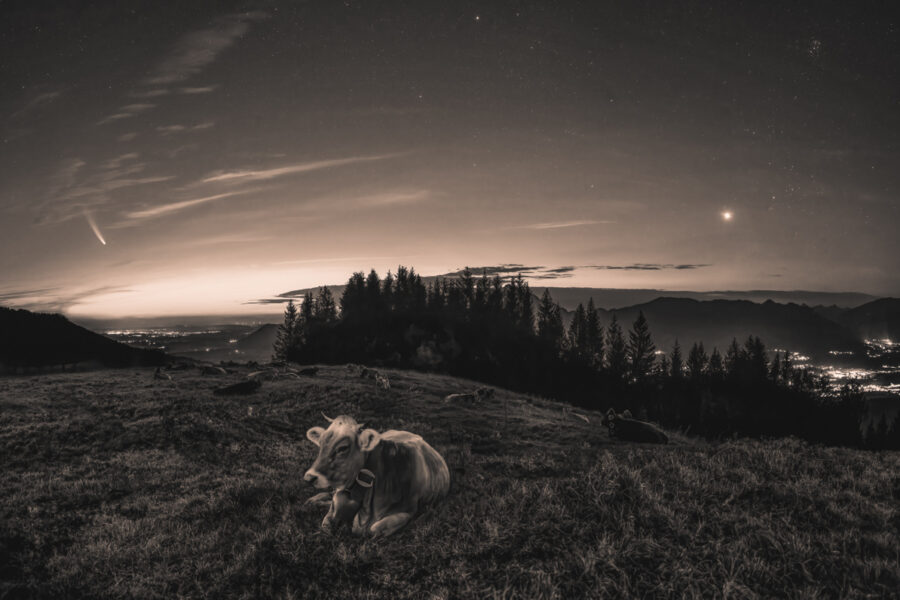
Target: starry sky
[(188, 158)]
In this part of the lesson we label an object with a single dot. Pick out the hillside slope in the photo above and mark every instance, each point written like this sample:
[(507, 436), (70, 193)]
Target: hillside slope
[(36, 339), (717, 322), (119, 485), (879, 319)]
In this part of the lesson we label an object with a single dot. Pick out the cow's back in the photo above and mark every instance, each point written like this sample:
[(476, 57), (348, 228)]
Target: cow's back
[(431, 478)]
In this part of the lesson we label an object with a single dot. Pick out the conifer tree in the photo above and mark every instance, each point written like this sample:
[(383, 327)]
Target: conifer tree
[(787, 368), (716, 368), (577, 330), (526, 306), (373, 293), (756, 359), (640, 348), (775, 369), (664, 368), (677, 361), (550, 326), (326, 311), (307, 313), (697, 360), (467, 287), (593, 334), (287, 333), (387, 291), (353, 298), (616, 356), (733, 358), (495, 297)]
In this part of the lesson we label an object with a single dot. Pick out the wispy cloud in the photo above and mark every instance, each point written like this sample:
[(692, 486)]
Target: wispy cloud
[(11, 297), (118, 161), (649, 267), (559, 224), (198, 90), (154, 93), (53, 301), (38, 101), (198, 49), (261, 174), (75, 188), (395, 198), (173, 207), (126, 112), (227, 239), (170, 129), (127, 137)]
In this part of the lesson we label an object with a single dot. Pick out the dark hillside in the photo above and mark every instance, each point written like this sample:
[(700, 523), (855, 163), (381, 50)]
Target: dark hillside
[(717, 322), (117, 485), (876, 320), (258, 344), (30, 339)]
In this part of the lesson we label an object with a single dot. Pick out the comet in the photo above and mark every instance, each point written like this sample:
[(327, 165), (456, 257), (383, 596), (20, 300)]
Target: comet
[(90, 220)]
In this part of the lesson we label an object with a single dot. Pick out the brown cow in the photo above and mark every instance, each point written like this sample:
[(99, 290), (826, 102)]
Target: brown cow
[(401, 472)]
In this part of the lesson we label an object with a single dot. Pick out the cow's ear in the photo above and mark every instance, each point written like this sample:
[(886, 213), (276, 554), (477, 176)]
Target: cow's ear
[(315, 434), (368, 439)]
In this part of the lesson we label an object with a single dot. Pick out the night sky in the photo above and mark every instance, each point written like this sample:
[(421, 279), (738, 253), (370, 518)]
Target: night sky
[(162, 158)]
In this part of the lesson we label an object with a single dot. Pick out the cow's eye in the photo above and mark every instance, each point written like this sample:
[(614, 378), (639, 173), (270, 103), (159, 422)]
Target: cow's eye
[(342, 450)]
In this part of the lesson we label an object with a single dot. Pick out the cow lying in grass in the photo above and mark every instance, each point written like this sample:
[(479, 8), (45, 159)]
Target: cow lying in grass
[(626, 427), (382, 480)]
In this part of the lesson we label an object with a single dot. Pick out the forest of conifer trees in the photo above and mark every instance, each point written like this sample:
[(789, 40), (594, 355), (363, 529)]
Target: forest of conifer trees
[(497, 332)]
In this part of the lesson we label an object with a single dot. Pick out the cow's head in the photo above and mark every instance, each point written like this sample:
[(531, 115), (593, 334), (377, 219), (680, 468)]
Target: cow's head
[(342, 449)]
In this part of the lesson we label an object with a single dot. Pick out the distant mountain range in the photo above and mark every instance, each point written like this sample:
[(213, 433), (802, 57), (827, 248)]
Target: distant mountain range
[(879, 319), (30, 339), (611, 298), (716, 322)]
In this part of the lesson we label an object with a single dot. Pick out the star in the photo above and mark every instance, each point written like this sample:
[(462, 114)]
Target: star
[(727, 215)]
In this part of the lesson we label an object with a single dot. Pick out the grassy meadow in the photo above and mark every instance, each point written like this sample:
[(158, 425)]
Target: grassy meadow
[(117, 485)]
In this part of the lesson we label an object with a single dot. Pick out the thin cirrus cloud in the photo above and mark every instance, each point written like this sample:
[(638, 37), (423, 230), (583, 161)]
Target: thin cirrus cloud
[(560, 224), (75, 187), (197, 49), (198, 89), (173, 207), (262, 174), (650, 267), (39, 101), (126, 112), (170, 129)]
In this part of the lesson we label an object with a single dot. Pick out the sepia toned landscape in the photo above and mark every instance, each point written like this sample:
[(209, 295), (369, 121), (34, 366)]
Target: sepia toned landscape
[(415, 299)]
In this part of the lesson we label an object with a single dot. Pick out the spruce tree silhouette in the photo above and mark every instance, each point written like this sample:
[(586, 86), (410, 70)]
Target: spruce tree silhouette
[(286, 337), (677, 361), (697, 361), (640, 349)]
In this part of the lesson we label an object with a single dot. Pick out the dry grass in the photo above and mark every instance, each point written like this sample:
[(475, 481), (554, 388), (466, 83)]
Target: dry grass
[(116, 485)]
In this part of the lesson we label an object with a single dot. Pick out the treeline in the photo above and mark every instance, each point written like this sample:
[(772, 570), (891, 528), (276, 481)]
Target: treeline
[(497, 332)]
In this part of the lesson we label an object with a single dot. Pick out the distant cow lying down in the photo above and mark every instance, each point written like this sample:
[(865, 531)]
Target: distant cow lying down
[(401, 473), (482, 393), (626, 427)]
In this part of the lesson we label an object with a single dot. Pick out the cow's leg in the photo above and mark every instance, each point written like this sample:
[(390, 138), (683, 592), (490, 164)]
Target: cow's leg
[(320, 499), (390, 524), (328, 521)]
